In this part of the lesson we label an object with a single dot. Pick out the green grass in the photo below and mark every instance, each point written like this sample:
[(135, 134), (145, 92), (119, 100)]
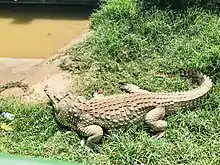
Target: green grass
[(131, 43)]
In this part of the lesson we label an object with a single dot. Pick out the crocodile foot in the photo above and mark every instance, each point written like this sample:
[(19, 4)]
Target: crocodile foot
[(131, 88)]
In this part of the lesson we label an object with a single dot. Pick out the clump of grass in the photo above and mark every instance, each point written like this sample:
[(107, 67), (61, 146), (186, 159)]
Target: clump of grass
[(131, 44)]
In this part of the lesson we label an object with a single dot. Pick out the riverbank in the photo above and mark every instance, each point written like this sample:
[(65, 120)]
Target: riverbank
[(37, 73), (131, 42)]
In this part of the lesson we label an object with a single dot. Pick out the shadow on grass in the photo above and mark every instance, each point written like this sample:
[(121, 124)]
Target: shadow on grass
[(212, 5)]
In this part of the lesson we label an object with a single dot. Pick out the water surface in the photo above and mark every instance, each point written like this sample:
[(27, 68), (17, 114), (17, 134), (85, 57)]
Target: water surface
[(37, 31)]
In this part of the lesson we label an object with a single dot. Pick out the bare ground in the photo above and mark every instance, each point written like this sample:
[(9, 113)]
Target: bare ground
[(27, 78)]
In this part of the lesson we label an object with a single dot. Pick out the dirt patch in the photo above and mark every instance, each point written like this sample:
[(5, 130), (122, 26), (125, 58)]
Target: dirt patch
[(37, 74)]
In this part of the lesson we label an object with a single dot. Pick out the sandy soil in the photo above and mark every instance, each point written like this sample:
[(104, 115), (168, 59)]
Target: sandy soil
[(36, 73)]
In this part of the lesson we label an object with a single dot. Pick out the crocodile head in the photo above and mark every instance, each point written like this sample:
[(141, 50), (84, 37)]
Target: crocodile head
[(67, 107), (68, 110)]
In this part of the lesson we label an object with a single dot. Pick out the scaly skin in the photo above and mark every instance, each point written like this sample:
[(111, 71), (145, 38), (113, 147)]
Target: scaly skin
[(91, 117)]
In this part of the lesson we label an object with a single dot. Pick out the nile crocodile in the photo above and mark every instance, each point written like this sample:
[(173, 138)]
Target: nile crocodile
[(91, 117)]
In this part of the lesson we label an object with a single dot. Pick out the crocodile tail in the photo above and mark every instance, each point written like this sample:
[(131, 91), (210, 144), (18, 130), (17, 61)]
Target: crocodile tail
[(189, 98)]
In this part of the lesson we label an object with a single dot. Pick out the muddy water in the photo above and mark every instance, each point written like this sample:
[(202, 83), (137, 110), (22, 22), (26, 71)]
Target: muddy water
[(28, 31)]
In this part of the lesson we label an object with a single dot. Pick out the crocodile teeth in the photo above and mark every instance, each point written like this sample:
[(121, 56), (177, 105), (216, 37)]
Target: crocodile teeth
[(108, 117), (115, 120), (127, 119), (121, 119)]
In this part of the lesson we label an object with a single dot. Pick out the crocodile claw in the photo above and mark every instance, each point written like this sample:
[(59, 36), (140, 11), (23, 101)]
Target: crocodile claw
[(129, 88), (159, 135), (123, 86), (83, 144)]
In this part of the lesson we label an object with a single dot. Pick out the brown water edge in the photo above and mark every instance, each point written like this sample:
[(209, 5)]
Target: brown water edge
[(36, 73), (37, 31)]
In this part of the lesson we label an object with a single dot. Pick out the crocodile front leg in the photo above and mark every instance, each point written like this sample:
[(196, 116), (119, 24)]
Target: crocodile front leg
[(93, 132), (131, 88), (96, 95), (155, 119)]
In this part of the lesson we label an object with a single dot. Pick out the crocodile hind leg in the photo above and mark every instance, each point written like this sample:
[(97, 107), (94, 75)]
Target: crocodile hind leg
[(154, 118), (131, 88), (93, 132)]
